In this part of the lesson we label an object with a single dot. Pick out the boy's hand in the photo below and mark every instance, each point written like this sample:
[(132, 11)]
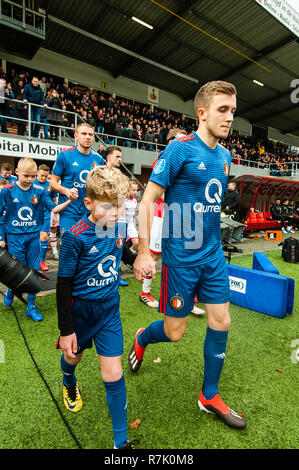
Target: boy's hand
[(68, 345), (144, 264)]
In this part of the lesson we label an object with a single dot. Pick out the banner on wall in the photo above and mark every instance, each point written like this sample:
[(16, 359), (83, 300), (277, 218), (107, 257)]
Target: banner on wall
[(152, 95), (19, 148), (283, 12)]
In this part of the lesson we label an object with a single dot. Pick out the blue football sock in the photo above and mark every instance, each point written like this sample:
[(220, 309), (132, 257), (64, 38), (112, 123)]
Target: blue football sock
[(9, 294), (117, 402), (154, 333), (43, 250), (214, 354), (31, 299), (68, 371)]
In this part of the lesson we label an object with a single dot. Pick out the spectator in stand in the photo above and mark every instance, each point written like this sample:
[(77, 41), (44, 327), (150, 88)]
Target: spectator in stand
[(149, 137), (102, 151), (21, 112), (34, 94), (128, 133), (118, 132), (90, 120), (5, 92), (43, 85), (54, 117)]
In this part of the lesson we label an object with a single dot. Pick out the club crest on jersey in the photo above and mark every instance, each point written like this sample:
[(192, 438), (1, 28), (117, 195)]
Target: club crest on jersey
[(94, 165), (226, 169), (119, 242), (176, 302), (34, 200)]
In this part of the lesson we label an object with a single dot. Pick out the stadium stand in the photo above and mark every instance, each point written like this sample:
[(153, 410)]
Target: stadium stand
[(123, 122)]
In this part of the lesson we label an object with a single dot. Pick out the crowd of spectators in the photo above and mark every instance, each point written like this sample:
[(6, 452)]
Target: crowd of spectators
[(121, 121), (116, 119), (262, 153)]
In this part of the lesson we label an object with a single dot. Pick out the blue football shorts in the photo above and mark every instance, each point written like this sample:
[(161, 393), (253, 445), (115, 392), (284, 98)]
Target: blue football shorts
[(46, 224), (179, 285), (98, 322), (25, 247)]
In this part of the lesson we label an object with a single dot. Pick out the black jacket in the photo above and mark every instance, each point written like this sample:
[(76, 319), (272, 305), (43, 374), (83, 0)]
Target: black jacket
[(231, 199), (276, 211)]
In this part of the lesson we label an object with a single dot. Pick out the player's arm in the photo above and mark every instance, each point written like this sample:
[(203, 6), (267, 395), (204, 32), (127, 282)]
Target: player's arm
[(56, 186), (144, 263), (51, 206), (68, 260), (2, 219)]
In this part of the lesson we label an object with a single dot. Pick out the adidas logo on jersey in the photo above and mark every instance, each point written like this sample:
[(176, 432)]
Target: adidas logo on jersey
[(75, 164), (15, 200), (201, 166), (93, 249)]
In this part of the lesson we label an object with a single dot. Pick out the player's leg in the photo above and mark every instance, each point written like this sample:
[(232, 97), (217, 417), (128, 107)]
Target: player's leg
[(145, 295), (176, 302), (33, 261), (116, 396), (109, 346), (214, 292), (44, 247), (16, 247), (54, 224), (70, 390)]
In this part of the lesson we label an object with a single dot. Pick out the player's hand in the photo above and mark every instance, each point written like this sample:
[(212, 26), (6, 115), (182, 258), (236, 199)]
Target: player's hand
[(68, 345), (2, 244), (72, 194), (144, 264)]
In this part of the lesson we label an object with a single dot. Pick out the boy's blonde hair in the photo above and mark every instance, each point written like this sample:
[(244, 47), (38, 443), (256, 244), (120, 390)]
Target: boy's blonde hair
[(106, 183), (26, 164), (133, 181), (206, 92)]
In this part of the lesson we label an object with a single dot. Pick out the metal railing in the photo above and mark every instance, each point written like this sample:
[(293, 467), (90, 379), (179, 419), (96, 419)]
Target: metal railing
[(102, 137), (292, 167), (29, 122), (67, 133), (63, 130), (18, 15)]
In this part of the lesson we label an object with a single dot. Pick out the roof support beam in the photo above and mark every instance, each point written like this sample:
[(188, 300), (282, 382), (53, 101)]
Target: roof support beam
[(121, 49)]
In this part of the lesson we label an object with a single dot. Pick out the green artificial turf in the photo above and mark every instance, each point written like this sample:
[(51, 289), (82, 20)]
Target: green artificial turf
[(258, 379)]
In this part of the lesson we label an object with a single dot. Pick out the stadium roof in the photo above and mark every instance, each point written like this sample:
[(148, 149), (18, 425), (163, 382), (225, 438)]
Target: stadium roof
[(191, 42)]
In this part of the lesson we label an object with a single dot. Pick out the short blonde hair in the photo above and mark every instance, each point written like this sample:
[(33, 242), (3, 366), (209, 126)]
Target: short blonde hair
[(133, 181), (206, 92), (174, 132), (26, 164), (107, 183)]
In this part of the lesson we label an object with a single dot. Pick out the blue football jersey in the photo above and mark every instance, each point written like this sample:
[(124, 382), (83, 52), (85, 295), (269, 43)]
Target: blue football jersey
[(92, 255), (72, 167), (22, 211), (195, 178), (46, 187)]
